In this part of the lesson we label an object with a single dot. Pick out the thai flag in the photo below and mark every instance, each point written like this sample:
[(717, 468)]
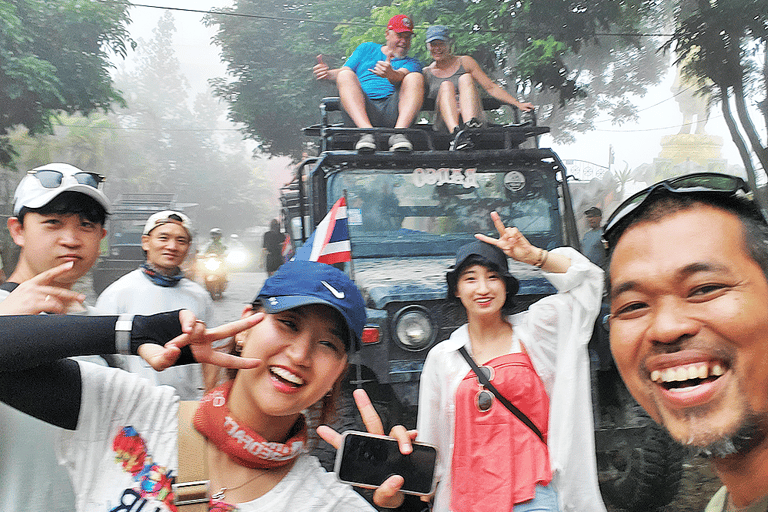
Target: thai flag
[(330, 241), (287, 248)]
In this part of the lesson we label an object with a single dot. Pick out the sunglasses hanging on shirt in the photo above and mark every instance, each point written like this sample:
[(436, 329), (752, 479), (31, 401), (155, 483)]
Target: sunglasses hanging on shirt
[(484, 374)]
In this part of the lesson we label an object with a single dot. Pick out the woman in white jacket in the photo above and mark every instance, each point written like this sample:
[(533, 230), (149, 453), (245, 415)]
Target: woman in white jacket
[(537, 360)]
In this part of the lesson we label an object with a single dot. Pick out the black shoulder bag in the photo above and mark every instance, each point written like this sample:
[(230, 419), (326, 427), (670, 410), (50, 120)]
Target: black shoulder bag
[(487, 383)]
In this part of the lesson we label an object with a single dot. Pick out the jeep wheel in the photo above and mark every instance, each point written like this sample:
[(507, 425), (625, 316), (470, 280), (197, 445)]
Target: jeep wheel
[(641, 474)]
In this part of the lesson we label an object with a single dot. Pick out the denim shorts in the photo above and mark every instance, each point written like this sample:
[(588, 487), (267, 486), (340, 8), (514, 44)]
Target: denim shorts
[(544, 501)]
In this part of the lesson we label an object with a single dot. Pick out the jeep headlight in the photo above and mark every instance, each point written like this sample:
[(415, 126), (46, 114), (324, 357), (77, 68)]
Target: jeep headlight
[(413, 328)]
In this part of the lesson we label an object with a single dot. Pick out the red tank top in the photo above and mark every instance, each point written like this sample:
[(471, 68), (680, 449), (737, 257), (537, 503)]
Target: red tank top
[(497, 460)]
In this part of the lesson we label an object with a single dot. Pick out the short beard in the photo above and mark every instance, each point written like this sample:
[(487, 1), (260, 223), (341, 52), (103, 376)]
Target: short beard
[(747, 437)]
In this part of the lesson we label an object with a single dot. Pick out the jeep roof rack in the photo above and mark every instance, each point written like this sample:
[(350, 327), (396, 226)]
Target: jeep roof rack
[(336, 136)]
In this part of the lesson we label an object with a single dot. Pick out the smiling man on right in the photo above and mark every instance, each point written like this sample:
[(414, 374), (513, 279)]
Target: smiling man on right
[(689, 322)]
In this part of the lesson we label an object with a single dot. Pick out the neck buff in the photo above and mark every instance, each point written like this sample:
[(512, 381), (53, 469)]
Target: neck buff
[(244, 445), (159, 278)]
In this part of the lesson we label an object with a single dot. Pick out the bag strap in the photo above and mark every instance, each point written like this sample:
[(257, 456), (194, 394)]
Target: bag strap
[(191, 487), (509, 405)]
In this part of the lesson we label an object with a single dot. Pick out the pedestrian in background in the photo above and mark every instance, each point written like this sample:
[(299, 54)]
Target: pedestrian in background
[(592, 244), (273, 247)]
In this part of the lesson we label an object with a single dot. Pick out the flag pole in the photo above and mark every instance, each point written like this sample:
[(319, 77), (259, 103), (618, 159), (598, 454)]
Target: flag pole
[(351, 259)]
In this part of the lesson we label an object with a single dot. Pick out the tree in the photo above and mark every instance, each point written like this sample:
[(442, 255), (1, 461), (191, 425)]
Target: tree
[(54, 58), (550, 52), (720, 44), (169, 143)]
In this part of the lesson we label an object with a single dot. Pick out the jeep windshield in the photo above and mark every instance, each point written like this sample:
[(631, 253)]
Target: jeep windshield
[(425, 211)]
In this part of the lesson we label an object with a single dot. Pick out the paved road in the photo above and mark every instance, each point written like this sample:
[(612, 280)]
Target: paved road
[(242, 288)]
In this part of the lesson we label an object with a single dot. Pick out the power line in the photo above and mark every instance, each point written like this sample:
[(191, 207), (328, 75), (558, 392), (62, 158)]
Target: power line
[(360, 23)]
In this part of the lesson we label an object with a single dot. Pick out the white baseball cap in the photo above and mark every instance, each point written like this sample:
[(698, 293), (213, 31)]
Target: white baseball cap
[(168, 216), (43, 184)]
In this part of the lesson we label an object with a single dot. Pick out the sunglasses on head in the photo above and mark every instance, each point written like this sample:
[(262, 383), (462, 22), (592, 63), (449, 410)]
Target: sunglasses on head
[(705, 183), (52, 179), (484, 398)]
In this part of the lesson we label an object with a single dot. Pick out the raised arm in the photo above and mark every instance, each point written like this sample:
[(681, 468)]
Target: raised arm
[(37, 378), (491, 87), (323, 72), (517, 247)]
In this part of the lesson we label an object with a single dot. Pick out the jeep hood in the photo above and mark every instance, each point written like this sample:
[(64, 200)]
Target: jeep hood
[(385, 280)]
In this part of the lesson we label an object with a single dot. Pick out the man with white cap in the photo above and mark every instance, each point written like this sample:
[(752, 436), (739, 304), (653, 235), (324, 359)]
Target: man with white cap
[(159, 285), (58, 221)]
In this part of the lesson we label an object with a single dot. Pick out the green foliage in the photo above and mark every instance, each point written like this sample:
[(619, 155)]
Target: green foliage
[(161, 140), (550, 52), (54, 58)]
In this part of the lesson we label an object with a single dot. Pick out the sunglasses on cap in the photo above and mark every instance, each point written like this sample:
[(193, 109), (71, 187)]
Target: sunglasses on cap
[(52, 179), (484, 398), (705, 183)]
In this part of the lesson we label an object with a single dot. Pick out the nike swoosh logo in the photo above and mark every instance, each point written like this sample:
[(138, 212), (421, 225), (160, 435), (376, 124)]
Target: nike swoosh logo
[(336, 293)]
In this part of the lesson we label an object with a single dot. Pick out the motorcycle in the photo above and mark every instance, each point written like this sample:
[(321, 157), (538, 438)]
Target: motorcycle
[(214, 274)]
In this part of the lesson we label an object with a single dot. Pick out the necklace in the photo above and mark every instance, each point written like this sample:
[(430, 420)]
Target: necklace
[(219, 496)]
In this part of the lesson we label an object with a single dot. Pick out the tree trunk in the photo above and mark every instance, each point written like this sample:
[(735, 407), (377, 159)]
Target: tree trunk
[(764, 105), (746, 158), (748, 126)]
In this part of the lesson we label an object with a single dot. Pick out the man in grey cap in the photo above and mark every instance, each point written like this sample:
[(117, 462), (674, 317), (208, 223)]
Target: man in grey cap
[(159, 285), (592, 243), (58, 221)]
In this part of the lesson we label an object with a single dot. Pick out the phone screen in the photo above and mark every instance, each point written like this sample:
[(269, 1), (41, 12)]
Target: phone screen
[(368, 460)]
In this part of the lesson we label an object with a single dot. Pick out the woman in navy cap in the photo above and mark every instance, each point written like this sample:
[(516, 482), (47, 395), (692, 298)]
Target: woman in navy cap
[(450, 81), (119, 432), (531, 446)]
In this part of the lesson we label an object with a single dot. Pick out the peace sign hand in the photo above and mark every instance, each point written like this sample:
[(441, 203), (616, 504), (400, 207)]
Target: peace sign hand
[(512, 242)]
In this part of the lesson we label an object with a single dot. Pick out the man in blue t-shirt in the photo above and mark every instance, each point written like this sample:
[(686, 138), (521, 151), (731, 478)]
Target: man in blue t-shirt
[(379, 85)]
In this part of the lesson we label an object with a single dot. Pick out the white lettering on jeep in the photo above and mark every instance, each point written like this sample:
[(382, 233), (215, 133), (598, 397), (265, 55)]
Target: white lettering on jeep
[(428, 176)]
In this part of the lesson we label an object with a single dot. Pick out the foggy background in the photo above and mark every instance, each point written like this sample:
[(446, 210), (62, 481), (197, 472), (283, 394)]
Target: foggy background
[(173, 135)]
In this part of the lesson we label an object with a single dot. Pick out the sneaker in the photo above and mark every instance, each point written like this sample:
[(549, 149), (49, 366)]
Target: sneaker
[(366, 144), (474, 123), (399, 142), (463, 143)]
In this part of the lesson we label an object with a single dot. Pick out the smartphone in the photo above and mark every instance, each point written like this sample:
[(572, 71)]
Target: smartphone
[(366, 460)]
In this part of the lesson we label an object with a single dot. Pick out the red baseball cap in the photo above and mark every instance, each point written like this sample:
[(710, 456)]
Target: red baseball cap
[(400, 23)]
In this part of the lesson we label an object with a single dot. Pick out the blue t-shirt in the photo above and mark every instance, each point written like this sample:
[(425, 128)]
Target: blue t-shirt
[(365, 57)]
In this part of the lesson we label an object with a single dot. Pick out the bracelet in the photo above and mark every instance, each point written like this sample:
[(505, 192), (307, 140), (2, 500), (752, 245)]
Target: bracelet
[(546, 255), (123, 328)]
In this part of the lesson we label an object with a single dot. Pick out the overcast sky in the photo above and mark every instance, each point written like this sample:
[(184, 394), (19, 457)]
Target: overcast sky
[(635, 143)]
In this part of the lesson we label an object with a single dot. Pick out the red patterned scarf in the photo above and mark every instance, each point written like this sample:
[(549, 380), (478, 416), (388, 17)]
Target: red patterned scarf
[(243, 445)]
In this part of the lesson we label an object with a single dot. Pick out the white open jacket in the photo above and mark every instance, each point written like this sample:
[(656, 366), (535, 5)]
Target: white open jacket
[(555, 332)]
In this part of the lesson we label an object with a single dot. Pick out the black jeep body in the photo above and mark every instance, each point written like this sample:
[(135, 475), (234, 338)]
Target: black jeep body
[(408, 213)]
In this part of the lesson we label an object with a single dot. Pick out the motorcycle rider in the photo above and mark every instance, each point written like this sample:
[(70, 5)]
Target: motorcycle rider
[(160, 285), (216, 246)]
